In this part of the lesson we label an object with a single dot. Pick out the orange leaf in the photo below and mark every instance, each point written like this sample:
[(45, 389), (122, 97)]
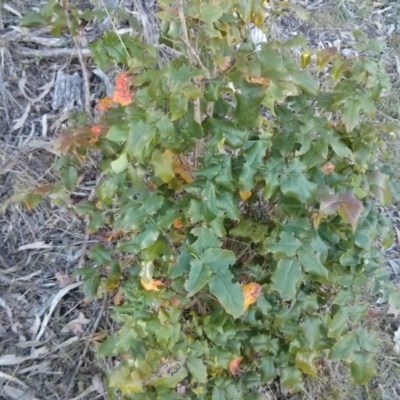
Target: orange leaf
[(258, 80), (152, 284), (251, 291), (104, 104), (178, 223), (244, 195), (117, 299), (112, 235), (328, 168), (234, 365), (122, 92), (183, 168)]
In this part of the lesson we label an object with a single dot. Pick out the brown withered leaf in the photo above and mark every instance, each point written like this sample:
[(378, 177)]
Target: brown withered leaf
[(183, 168), (70, 139)]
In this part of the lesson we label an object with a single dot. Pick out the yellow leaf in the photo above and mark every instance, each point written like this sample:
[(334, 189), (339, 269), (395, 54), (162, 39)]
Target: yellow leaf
[(316, 217), (244, 195), (251, 291), (152, 284)]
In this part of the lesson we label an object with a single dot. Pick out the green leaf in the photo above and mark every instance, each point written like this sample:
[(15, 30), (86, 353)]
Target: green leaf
[(338, 325), (380, 187), (199, 276), (294, 184), (130, 217), (126, 381), (291, 376), (210, 13), (274, 168), (206, 238), (286, 278), (351, 111), (304, 81), (163, 165), (312, 263), (267, 370), (210, 202), (140, 136), (120, 164), (69, 177), (90, 284), (368, 340), (305, 361), (226, 203), (197, 369), (229, 294), (287, 246), (248, 98), (100, 255), (345, 347), (171, 381), (33, 19), (117, 133), (362, 368), (179, 105), (114, 275), (218, 259)]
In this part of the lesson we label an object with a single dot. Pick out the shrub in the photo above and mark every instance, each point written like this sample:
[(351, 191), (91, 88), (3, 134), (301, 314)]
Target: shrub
[(240, 197)]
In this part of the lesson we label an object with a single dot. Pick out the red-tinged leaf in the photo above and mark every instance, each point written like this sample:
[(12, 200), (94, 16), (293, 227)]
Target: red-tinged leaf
[(329, 204), (72, 138), (350, 208), (380, 186), (325, 56), (234, 365), (346, 204)]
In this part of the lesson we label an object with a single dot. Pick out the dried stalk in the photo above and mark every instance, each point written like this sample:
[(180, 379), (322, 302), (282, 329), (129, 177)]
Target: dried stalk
[(85, 72)]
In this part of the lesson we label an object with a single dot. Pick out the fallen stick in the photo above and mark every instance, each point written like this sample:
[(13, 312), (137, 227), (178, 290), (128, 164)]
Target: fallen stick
[(53, 53)]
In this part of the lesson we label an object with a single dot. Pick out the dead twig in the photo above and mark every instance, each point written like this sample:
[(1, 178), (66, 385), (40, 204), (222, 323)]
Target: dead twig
[(85, 73), (54, 53)]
